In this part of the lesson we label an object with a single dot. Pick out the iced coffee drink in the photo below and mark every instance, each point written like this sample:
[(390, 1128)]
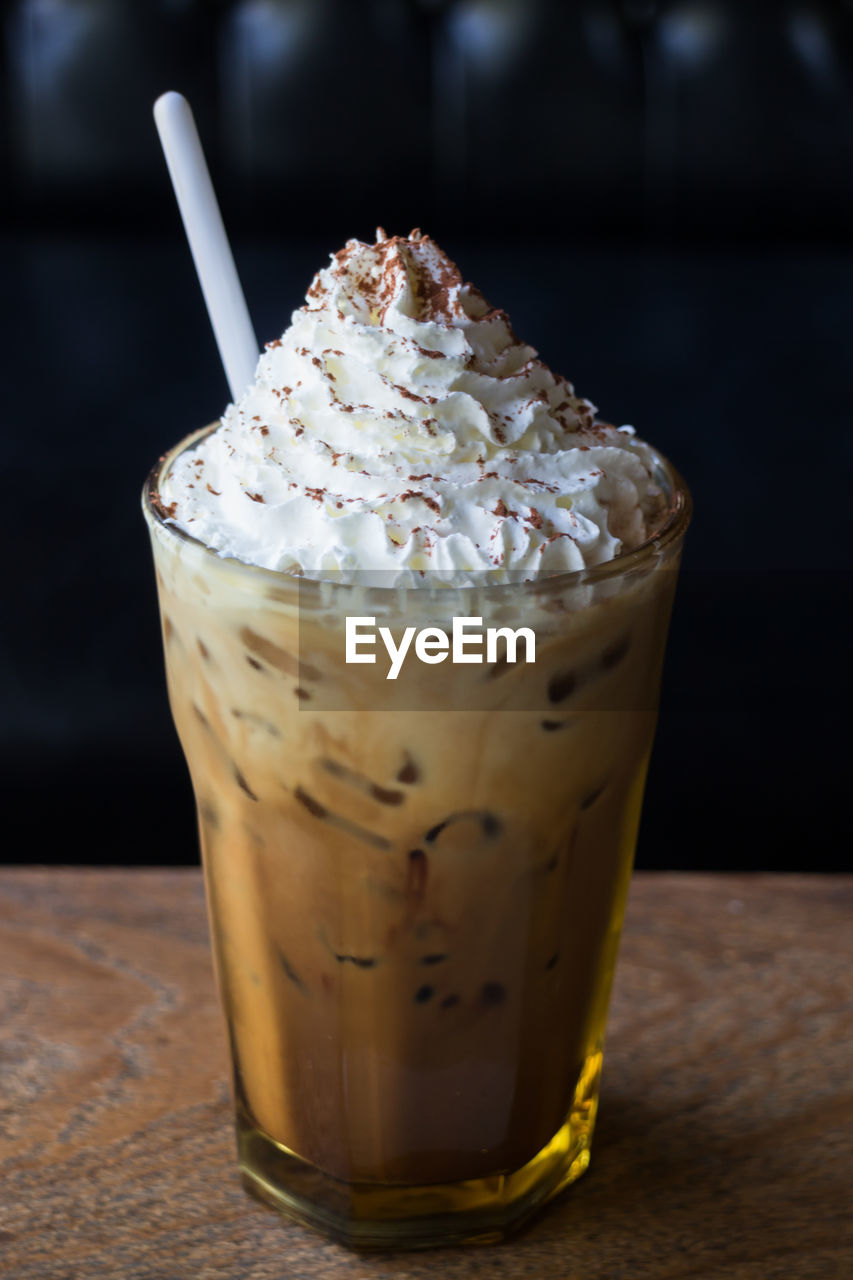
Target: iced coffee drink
[(416, 866)]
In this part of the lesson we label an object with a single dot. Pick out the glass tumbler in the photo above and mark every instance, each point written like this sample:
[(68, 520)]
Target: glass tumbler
[(415, 886)]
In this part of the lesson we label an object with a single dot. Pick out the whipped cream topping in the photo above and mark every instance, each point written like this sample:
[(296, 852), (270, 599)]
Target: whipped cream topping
[(400, 425)]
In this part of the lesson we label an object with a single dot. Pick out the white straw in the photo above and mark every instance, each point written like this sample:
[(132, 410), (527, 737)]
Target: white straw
[(214, 262)]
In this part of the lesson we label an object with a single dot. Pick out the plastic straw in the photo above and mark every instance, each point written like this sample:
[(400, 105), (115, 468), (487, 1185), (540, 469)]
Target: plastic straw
[(214, 262)]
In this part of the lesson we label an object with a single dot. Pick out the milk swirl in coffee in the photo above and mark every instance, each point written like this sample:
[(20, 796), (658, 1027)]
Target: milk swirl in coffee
[(399, 425)]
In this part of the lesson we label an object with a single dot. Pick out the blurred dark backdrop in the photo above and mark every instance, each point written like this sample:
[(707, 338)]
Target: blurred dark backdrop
[(661, 194)]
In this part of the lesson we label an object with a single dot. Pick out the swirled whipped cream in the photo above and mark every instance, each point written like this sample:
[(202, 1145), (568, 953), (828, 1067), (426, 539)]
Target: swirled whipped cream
[(399, 424)]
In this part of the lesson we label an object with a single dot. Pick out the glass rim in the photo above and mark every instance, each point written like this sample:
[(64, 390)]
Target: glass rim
[(669, 532)]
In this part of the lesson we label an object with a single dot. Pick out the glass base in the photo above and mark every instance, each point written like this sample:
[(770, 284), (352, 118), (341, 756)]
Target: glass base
[(371, 1215)]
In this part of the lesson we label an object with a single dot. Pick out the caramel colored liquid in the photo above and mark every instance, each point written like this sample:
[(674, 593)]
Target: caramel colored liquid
[(415, 916)]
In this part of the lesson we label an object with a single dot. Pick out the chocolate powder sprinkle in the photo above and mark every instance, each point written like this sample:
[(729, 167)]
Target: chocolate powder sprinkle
[(430, 502), (410, 395)]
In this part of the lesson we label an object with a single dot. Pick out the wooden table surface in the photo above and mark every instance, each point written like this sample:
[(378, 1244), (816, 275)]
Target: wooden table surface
[(724, 1149)]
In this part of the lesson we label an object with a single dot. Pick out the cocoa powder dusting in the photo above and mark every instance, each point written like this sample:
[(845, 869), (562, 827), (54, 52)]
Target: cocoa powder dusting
[(414, 493), (410, 395)]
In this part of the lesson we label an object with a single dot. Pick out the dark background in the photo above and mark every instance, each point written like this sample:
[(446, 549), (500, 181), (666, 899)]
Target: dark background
[(660, 194)]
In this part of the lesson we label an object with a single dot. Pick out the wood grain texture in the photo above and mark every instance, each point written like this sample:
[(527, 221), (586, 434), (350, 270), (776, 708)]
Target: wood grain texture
[(724, 1149)]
